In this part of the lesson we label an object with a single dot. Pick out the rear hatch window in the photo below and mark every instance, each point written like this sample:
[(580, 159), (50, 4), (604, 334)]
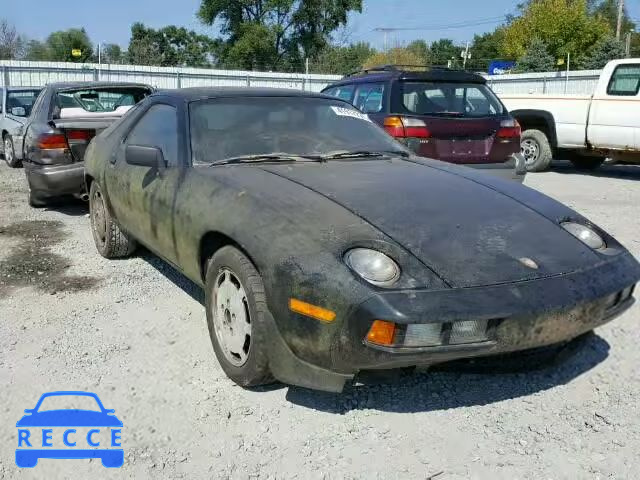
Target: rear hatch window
[(97, 102), (450, 99)]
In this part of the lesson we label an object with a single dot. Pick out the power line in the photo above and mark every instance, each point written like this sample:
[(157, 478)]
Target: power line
[(467, 23)]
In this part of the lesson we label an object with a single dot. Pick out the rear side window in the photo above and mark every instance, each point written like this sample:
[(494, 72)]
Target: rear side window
[(369, 97), (450, 99), (625, 81), (158, 127), (344, 92)]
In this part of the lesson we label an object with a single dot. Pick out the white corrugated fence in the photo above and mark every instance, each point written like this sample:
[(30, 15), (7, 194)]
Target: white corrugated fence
[(21, 73)]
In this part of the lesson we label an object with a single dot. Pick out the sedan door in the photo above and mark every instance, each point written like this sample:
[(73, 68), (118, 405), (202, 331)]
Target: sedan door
[(143, 197)]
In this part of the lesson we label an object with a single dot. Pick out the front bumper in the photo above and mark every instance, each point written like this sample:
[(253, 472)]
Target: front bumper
[(522, 316), (55, 180)]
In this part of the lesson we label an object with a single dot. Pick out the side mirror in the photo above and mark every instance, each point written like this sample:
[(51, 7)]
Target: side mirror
[(19, 112), (142, 156), (28, 410), (109, 411)]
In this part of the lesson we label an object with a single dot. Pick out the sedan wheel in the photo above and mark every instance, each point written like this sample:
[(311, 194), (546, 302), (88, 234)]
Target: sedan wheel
[(110, 240), (231, 317), (238, 317), (9, 153)]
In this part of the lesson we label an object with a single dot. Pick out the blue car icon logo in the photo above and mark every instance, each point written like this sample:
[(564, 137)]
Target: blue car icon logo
[(86, 431)]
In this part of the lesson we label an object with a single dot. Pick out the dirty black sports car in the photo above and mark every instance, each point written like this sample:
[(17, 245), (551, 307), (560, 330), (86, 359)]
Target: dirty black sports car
[(326, 248)]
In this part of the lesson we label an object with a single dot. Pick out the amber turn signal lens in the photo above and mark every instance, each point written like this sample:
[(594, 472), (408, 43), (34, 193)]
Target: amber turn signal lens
[(382, 333), (312, 311)]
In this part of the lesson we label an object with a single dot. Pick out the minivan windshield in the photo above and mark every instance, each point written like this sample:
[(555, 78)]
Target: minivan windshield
[(227, 128), (450, 99)]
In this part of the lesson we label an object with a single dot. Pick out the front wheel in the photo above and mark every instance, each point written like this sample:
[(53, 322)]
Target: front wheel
[(10, 153), (110, 240), (237, 317), (536, 149)]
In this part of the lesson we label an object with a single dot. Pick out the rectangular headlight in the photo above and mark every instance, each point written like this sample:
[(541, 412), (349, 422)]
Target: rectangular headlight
[(422, 335), (468, 331)]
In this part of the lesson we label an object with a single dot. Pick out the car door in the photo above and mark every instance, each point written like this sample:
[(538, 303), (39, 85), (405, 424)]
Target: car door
[(143, 198), (613, 119)]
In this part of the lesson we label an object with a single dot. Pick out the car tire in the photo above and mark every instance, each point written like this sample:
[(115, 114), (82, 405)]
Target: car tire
[(536, 149), (235, 299), (583, 162), (110, 240), (9, 152)]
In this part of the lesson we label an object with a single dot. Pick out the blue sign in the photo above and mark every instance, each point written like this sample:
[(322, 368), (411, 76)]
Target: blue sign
[(500, 67), (69, 433)]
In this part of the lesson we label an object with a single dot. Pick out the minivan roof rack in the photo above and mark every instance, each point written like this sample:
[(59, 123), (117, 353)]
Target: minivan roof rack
[(401, 67)]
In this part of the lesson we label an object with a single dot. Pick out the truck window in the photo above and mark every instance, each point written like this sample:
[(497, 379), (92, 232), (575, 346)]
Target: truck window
[(625, 80)]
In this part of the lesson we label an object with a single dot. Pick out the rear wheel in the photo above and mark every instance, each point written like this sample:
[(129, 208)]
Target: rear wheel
[(9, 152), (236, 316), (536, 149), (35, 201), (110, 240)]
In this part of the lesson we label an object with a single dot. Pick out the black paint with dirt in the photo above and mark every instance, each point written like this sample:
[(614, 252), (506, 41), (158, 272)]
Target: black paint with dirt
[(30, 261)]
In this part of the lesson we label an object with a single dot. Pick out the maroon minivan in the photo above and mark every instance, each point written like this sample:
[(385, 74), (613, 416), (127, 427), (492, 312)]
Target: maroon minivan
[(445, 114)]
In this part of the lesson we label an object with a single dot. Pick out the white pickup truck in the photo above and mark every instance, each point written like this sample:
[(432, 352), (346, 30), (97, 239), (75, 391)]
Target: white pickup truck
[(585, 129)]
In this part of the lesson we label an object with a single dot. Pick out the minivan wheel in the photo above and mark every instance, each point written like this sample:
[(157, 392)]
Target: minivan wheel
[(110, 240), (237, 316), (536, 150), (9, 152)]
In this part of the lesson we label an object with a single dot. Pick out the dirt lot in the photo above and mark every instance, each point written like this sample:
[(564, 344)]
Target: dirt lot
[(134, 332)]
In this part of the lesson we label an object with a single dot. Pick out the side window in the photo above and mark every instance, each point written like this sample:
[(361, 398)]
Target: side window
[(625, 81), (344, 92), (1, 99), (369, 97), (158, 127)]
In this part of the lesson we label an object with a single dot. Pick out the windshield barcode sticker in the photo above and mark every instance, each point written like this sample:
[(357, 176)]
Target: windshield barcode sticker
[(350, 112)]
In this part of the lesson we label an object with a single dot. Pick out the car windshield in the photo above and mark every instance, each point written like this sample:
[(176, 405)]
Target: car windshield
[(21, 98), (98, 100), (450, 99), (227, 128), (69, 402)]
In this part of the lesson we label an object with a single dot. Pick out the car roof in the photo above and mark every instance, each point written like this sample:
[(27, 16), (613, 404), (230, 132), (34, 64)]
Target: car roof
[(200, 93), (17, 89), (65, 85), (393, 72)]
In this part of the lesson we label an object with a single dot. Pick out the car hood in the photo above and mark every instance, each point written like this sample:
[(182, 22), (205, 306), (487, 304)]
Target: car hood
[(69, 418), (470, 229)]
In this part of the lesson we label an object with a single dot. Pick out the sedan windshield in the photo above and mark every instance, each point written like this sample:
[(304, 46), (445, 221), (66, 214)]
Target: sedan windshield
[(98, 100), (450, 99), (316, 128), (17, 99)]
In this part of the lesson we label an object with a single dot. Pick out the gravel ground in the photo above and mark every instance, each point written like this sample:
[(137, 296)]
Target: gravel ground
[(134, 332)]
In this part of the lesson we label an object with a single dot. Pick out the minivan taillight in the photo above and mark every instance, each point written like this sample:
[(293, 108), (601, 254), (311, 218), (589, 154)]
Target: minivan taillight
[(50, 141), (509, 129), (406, 127)]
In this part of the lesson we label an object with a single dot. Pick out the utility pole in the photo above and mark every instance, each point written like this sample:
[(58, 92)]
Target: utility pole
[(620, 12), (628, 44), (465, 56)]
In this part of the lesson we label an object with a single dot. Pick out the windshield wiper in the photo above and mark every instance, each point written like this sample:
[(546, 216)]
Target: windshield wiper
[(263, 157), (361, 154)]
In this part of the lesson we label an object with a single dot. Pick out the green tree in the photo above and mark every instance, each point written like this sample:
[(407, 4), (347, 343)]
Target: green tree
[(112, 53), (443, 50), (565, 25), (608, 9), (420, 49), (275, 34), (60, 45), (37, 51), (170, 46), (536, 58), (484, 48), (339, 60), (605, 50)]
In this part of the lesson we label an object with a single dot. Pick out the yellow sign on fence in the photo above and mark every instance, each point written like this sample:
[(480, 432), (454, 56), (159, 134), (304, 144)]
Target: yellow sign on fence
[(76, 52)]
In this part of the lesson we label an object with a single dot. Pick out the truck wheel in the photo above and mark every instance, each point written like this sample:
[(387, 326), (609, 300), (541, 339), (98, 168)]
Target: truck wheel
[(9, 152), (110, 241), (237, 317), (536, 150), (583, 162)]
